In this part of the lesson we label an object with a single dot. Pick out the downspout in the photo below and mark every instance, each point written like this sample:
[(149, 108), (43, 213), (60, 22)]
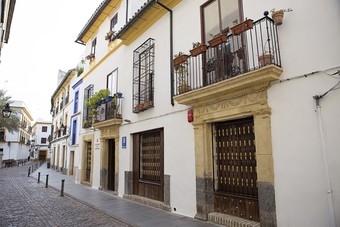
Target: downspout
[(127, 11), (325, 160), (171, 53)]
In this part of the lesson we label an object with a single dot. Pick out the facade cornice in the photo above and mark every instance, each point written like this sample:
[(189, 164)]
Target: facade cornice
[(98, 17)]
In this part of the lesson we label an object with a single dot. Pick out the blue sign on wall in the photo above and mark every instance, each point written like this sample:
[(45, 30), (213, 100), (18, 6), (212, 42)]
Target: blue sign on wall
[(124, 142)]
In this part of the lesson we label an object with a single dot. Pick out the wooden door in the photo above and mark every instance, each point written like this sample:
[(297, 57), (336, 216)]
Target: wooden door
[(148, 165), (88, 162), (111, 165), (71, 167), (234, 154), (42, 155)]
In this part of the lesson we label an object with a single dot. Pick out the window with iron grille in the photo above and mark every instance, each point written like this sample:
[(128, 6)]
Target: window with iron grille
[(143, 76), (43, 140), (88, 92)]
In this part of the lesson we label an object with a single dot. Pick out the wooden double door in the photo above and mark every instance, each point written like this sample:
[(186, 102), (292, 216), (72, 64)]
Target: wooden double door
[(234, 153), (148, 164)]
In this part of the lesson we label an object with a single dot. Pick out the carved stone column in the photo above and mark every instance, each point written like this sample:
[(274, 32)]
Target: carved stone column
[(204, 178)]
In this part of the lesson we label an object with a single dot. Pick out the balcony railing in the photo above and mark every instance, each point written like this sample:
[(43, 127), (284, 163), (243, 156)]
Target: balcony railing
[(235, 55), (110, 108)]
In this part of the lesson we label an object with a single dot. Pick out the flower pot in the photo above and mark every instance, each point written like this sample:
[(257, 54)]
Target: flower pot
[(242, 27), (180, 59), (218, 39), (90, 56), (277, 17), (266, 59), (182, 88), (198, 50)]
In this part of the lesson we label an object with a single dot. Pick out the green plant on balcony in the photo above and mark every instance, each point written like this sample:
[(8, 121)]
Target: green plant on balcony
[(277, 15), (87, 124), (115, 103), (182, 75), (180, 58), (197, 48), (80, 67), (90, 56), (94, 100)]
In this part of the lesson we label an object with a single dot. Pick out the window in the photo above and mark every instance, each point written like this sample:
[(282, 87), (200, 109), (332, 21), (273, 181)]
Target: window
[(112, 82), (76, 102), (219, 16), (74, 131), (88, 92), (113, 22), (143, 72), (93, 46), (43, 140), (44, 129), (2, 134)]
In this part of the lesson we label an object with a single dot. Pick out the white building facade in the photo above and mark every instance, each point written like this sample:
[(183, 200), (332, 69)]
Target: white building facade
[(16, 145), (40, 142), (244, 130), (61, 109)]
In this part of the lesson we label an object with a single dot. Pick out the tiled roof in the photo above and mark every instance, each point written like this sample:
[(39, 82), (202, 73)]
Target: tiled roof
[(91, 21)]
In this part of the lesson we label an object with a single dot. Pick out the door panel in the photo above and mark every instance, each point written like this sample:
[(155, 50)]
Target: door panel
[(235, 190), (148, 165)]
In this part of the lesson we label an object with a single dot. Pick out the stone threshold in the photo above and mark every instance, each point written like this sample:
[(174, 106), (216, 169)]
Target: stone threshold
[(147, 201), (231, 221)]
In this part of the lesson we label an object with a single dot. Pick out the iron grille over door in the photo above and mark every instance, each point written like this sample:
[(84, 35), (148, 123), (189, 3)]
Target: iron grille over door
[(235, 174), (148, 164)]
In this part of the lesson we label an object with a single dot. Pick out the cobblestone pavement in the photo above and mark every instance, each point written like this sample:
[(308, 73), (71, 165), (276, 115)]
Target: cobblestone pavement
[(24, 202)]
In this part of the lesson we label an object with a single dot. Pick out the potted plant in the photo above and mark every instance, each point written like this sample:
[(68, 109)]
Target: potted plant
[(197, 48), (115, 103), (241, 27), (218, 39), (94, 101), (109, 35), (90, 56), (87, 124), (180, 58), (277, 15), (182, 75), (266, 58)]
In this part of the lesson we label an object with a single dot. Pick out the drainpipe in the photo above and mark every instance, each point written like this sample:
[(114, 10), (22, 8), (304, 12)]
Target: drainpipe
[(325, 160), (127, 11), (171, 53)]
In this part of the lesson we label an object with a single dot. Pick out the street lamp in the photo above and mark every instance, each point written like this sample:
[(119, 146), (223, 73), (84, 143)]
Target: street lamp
[(6, 112)]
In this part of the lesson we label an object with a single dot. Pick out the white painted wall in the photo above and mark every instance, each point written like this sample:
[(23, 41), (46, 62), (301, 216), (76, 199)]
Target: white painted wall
[(300, 186)]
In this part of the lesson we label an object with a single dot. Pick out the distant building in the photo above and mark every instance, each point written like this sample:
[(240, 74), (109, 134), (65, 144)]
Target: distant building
[(61, 110), (6, 15), (16, 145), (40, 140)]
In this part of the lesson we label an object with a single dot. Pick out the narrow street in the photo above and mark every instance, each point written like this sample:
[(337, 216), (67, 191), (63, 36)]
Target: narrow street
[(24, 202)]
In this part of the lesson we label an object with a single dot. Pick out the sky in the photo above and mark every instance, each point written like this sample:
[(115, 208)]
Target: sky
[(42, 41)]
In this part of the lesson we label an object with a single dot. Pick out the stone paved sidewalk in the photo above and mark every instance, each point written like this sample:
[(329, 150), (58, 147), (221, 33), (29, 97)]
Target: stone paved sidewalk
[(24, 202)]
